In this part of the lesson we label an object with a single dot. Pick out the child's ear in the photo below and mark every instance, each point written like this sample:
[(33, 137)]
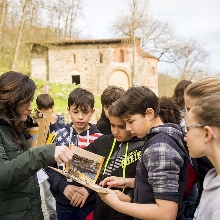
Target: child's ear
[(208, 134), (68, 109), (150, 113)]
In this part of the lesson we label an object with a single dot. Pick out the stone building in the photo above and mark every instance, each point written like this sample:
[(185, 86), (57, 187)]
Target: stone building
[(94, 64)]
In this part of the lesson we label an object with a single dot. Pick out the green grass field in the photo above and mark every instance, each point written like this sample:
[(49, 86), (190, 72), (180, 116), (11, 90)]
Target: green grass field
[(60, 93)]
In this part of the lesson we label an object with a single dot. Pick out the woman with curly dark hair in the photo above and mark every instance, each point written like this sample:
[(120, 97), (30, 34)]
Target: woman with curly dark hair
[(19, 189)]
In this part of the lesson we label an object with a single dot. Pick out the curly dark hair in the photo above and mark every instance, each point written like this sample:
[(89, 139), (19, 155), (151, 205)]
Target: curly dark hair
[(15, 89), (169, 111)]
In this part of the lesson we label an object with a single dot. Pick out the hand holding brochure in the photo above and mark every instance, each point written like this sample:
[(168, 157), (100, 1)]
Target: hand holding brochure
[(84, 168)]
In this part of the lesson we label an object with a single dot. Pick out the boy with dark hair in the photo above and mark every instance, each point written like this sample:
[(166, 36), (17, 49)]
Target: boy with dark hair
[(45, 103), (161, 172), (109, 95), (69, 203), (121, 151)]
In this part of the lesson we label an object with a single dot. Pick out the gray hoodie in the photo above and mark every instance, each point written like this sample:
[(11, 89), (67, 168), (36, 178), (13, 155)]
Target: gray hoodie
[(209, 207)]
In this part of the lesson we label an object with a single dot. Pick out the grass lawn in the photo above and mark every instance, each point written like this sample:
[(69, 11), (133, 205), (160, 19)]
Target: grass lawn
[(60, 93)]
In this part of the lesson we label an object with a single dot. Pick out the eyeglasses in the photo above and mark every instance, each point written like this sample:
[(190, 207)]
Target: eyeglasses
[(186, 128)]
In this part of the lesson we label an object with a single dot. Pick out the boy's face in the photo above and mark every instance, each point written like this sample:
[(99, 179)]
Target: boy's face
[(138, 124), (118, 128), (80, 118)]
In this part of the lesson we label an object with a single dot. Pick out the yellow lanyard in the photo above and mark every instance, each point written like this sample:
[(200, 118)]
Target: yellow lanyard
[(125, 159), (110, 154)]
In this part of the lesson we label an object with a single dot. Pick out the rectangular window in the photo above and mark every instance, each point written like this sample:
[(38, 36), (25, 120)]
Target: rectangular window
[(76, 79)]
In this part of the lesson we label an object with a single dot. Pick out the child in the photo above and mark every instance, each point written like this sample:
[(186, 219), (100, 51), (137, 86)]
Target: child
[(109, 95), (203, 139), (161, 172), (69, 203), (45, 103), (121, 152), (192, 93)]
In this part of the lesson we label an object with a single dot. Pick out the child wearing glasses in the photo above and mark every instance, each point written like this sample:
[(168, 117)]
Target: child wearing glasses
[(203, 139), (192, 93)]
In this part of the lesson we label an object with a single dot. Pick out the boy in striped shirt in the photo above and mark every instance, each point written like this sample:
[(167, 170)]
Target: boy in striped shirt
[(69, 203)]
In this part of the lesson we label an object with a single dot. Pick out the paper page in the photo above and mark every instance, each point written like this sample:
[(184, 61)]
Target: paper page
[(84, 168)]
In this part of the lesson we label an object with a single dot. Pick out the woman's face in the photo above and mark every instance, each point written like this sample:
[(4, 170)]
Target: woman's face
[(23, 110)]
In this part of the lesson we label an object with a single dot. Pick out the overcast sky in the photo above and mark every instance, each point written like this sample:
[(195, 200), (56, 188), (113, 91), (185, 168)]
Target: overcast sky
[(198, 19)]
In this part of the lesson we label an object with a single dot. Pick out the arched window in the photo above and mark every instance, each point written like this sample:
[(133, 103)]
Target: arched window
[(121, 56), (74, 58), (101, 58)]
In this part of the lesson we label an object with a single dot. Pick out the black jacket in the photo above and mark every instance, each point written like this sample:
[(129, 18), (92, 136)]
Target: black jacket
[(103, 146), (105, 126)]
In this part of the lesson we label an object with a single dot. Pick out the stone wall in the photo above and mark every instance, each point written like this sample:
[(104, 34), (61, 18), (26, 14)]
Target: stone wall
[(98, 65)]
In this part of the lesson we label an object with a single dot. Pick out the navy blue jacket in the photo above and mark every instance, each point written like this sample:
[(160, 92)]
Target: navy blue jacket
[(58, 182)]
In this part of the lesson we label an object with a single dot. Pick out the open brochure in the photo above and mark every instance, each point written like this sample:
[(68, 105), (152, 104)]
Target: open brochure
[(84, 168)]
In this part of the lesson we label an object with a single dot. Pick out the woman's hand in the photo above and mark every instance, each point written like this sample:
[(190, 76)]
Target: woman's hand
[(63, 154)]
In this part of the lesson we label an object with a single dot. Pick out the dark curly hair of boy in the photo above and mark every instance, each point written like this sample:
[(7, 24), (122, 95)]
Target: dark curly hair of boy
[(169, 111)]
